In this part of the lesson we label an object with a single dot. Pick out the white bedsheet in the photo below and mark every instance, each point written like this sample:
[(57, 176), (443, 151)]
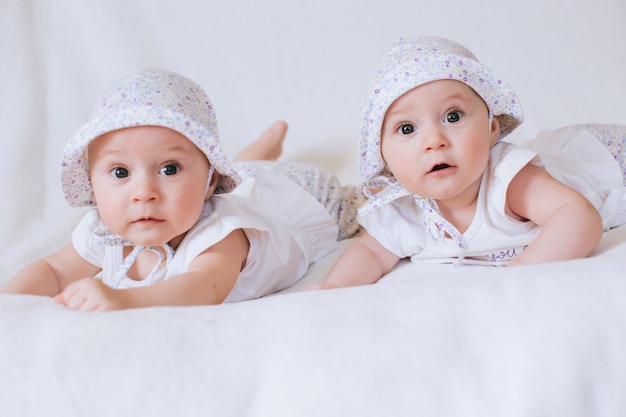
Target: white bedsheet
[(427, 340)]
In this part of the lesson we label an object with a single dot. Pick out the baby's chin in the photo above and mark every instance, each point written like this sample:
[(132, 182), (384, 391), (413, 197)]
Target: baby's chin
[(147, 236), (160, 242), (438, 195)]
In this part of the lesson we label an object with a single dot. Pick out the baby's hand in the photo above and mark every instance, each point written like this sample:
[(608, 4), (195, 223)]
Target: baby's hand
[(90, 294)]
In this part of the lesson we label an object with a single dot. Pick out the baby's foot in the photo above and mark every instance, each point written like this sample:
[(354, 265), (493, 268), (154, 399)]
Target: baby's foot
[(269, 146)]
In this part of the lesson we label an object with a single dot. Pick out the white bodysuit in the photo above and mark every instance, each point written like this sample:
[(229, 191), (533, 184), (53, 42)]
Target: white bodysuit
[(575, 158), (287, 229)]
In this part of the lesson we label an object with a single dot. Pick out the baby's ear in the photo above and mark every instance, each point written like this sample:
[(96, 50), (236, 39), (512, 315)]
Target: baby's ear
[(494, 130), (212, 185)]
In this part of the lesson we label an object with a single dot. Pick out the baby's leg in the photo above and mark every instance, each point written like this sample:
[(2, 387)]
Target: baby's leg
[(341, 202), (348, 199), (267, 147)]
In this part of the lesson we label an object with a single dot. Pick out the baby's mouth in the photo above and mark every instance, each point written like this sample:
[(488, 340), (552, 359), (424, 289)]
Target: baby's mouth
[(146, 220), (439, 167)]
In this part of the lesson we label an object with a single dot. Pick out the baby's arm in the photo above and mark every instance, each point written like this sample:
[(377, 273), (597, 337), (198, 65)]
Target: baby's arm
[(571, 226), (364, 262), (208, 280), (50, 275)]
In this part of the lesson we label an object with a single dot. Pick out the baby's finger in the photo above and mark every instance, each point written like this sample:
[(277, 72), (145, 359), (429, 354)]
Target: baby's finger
[(74, 299), (59, 299)]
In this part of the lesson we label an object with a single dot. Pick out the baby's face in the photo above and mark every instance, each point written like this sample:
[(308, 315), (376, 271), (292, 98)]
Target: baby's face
[(150, 183), (436, 140)]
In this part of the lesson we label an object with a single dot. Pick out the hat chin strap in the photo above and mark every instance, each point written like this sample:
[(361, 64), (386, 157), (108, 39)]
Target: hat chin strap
[(437, 226), (434, 223), (108, 238), (132, 257)]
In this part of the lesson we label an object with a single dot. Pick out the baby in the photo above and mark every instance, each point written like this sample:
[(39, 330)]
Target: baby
[(174, 222), (443, 187)]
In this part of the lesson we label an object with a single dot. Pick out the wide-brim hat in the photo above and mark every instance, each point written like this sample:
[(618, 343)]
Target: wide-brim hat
[(148, 97), (411, 63)]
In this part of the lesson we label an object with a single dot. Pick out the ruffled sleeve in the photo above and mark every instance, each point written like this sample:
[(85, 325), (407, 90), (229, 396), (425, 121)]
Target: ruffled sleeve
[(397, 226)]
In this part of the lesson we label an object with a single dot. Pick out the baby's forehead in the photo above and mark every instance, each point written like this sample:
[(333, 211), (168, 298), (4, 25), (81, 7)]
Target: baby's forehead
[(437, 91), (443, 88), (153, 139)]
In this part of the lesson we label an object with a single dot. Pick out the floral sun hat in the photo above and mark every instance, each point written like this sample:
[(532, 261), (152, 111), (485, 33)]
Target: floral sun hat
[(148, 97), (411, 63)]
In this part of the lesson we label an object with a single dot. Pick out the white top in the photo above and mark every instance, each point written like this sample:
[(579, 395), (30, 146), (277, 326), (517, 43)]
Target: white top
[(493, 237), (286, 227)]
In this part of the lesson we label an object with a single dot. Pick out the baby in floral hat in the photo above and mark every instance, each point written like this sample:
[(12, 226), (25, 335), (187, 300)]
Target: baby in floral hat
[(174, 222), (443, 187)]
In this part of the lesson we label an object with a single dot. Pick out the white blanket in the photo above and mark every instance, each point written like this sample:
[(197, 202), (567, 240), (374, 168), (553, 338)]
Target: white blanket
[(428, 340)]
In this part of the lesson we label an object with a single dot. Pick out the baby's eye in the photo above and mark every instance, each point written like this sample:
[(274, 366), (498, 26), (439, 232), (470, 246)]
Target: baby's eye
[(454, 116), (120, 172), (170, 169), (406, 129)]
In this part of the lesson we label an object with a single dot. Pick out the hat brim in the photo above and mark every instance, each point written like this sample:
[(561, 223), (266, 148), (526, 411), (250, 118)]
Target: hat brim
[(499, 97), (75, 182)]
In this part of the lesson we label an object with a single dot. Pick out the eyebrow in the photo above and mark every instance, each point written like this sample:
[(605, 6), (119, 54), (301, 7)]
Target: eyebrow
[(174, 148)]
